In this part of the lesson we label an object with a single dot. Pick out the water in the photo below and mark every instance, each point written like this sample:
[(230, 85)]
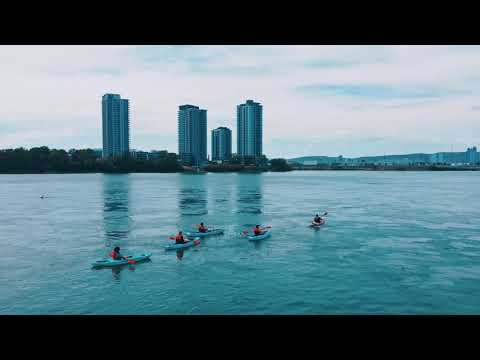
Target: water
[(394, 243)]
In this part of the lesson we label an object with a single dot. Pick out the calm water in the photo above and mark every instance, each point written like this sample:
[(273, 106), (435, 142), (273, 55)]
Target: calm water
[(394, 243)]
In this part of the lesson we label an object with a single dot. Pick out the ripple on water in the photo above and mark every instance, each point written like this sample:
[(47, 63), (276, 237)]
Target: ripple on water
[(382, 251)]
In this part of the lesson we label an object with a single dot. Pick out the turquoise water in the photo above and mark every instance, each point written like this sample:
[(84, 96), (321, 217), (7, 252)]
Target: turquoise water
[(394, 243)]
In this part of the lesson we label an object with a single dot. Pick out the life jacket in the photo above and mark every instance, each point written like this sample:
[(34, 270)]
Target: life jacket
[(179, 239), (114, 255), (257, 231), (202, 228)]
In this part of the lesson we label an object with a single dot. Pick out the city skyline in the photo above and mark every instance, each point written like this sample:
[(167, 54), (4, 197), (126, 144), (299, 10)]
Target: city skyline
[(331, 100)]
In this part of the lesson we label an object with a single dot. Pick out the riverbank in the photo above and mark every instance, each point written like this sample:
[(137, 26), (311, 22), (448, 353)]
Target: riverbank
[(243, 171), (389, 168)]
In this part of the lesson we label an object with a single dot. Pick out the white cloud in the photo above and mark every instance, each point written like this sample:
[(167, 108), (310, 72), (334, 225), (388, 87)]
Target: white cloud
[(51, 94)]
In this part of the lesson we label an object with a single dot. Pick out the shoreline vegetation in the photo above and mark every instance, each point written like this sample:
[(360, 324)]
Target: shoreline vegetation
[(42, 160)]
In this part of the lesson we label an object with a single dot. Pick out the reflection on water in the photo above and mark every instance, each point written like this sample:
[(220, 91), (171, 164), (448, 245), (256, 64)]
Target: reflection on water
[(180, 254), (116, 271), (116, 214), (249, 193), (192, 195)]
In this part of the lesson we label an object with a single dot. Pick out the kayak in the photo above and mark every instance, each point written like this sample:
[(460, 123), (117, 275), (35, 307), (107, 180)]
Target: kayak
[(195, 234), (317, 225), (187, 244), (265, 235), (111, 262)]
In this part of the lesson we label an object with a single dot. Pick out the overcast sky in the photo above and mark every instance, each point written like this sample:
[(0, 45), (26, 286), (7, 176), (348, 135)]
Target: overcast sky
[(317, 100)]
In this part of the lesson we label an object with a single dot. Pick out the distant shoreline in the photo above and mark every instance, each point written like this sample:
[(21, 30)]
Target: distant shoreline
[(394, 169), (240, 172)]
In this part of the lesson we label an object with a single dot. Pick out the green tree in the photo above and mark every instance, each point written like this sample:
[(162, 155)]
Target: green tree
[(279, 165)]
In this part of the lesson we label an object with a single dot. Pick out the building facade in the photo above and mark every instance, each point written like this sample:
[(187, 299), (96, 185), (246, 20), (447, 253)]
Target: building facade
[(115, 126), (221, 144), (192, 135), (249, 129), (472, 155)]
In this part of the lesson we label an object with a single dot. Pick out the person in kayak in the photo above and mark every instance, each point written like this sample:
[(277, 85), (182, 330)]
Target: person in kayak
[(317, 220), (258, 231), (202, 228), (179, 239), (115, 254)]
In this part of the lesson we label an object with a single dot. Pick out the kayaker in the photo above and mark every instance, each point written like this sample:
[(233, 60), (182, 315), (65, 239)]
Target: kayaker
[(202, 228), (257, 230), (115, 254), (317, 219), (179, 238)]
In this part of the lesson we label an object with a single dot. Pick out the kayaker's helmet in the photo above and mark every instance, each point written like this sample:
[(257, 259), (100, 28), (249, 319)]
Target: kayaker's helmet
[(180, 232), (257, 226), (316, 215), (117, 249), (201, 224)]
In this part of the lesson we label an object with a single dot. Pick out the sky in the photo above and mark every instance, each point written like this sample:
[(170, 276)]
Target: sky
[(317, 100)]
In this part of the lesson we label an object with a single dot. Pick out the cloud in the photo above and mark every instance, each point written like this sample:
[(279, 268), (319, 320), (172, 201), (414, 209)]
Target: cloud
[(317, 99), (380, 91)]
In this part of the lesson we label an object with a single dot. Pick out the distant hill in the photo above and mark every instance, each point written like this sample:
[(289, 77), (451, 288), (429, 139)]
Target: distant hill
[(312, 158), (416, 157)]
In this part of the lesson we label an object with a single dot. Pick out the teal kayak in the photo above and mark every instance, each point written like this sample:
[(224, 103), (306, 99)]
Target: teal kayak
[(111, 262), (265, 235), (187, 244), (195, 234)]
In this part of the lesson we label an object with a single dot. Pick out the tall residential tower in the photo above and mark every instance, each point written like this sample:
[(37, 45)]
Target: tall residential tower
[(115, 126), (221, 144), (249, 129), (192, 135)]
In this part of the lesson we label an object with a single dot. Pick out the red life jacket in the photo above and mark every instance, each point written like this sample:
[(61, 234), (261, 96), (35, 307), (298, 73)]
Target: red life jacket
[(179, 239), (202, 228), (114, 255), (257, 231)]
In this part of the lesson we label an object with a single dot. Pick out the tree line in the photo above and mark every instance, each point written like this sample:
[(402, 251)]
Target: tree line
[(45, 160)]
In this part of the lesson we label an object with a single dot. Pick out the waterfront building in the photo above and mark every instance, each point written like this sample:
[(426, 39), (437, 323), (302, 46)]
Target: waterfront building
[(139, 155), (115, 125), (249, 129), (472, 155), (221, 144), (192, 135)]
